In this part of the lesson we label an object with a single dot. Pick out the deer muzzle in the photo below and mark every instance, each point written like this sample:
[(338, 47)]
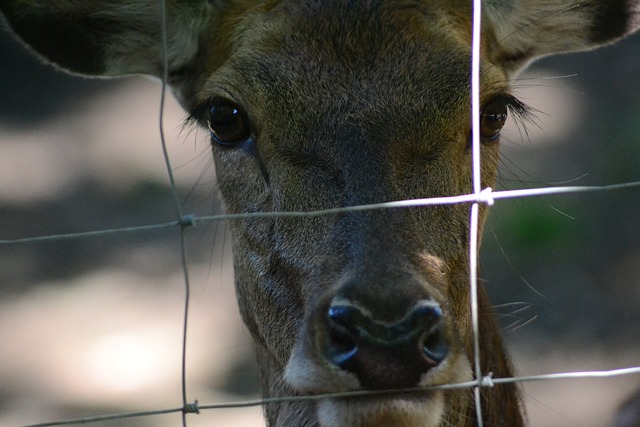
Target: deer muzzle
[(382, 354)]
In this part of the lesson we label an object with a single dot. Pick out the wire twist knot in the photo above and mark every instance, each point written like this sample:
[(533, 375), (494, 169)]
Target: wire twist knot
[(191, 408), (486, 197), (487, 381), (188, 221)]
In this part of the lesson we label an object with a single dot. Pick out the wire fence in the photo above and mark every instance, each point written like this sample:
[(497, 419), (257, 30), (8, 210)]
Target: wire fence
[(480, 196)]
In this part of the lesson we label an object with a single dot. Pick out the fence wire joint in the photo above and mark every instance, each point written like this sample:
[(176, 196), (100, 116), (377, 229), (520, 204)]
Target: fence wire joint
[(487, 381), (191, 408), (188, 221), (486, 197)]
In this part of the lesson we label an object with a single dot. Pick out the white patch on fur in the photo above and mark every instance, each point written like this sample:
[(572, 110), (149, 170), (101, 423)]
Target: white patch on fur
[(312, 374), (454, 369), (394, 411)]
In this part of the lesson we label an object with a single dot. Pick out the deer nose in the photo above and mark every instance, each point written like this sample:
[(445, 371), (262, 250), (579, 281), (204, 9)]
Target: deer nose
[(383, 354)]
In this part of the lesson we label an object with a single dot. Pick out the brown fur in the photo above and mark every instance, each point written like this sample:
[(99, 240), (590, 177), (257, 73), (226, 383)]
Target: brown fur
[(349, 102)]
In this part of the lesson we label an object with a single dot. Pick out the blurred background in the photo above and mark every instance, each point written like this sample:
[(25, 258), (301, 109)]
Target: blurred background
[(94, 326)]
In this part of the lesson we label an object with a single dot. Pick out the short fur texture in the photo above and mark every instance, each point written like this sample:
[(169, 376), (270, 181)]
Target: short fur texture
[(346, 103)]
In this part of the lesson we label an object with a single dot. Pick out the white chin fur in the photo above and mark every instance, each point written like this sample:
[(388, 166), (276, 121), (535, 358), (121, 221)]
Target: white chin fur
[(397, 411)]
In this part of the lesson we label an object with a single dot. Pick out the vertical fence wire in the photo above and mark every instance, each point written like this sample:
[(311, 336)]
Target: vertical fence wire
[(184, 221), (477, 189)]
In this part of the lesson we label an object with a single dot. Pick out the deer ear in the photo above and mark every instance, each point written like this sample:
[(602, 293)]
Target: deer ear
[(523, 30), (109, 38)]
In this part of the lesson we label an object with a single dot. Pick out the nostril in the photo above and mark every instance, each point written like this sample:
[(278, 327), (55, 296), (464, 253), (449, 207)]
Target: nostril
[(340, 314), (434, 346), (428, 313), (343, 345)]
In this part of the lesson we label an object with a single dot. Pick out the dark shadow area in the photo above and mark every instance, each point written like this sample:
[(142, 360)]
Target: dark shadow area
[(44, 93), (581, 252)]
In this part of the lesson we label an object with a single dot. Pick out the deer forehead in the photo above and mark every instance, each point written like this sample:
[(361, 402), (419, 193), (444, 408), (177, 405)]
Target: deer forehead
[(382, 67)]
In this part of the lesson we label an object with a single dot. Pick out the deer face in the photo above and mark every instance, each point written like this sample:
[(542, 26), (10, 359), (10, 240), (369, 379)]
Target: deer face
[(340, 107), (324, 104)]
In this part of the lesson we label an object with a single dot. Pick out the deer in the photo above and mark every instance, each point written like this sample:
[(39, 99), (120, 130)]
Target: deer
[(314, 105)]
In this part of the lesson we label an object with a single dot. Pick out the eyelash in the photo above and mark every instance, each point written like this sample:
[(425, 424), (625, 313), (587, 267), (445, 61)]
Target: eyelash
[(522, 113)]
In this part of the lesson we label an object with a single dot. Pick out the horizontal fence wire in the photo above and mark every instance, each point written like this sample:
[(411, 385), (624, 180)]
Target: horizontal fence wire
[(486, 196), (485, 382), (479, 196)]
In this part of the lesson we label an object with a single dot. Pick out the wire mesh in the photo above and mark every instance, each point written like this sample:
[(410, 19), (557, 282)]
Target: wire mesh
[(184, 223)]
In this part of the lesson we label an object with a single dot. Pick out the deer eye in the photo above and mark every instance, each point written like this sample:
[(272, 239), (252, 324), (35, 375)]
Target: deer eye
[(493, 117), (227, 122)]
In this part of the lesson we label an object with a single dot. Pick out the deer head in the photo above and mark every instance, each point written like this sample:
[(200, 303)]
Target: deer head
[(323, 104)]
